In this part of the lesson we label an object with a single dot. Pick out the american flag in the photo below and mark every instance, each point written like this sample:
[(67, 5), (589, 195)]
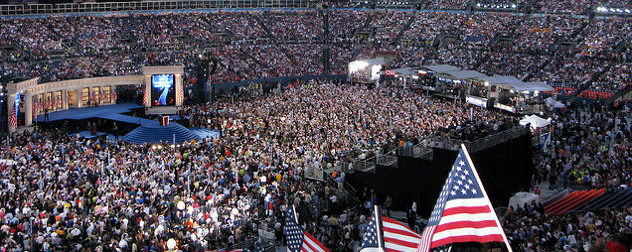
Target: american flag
[(145, 98), (396, 236), (181, 93), (13, 120), (372, 241), (299, 239), (13, 116), (463, 212)]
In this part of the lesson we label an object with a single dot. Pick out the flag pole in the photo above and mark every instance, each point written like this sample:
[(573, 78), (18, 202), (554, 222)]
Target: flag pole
[(378, 228), (469, 160), (295, 214)]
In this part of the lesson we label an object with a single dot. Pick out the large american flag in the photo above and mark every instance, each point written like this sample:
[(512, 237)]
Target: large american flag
[(463, 212), (299, 239), (396, 236)]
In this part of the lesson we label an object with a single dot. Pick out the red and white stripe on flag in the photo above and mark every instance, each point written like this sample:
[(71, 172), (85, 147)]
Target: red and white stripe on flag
[(181, 94), (466, 220), (13, 120), (145, 101), (311, 244), (398, 237)]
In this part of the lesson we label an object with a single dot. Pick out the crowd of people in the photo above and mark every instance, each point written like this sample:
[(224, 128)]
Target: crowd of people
[(575, 51), (91, 194), (60, 192)]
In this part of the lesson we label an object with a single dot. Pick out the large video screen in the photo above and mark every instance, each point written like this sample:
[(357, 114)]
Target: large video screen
[(163, 90)]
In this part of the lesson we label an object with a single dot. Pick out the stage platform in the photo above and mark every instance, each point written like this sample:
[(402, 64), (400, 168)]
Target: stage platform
[(108, 112), (74, 121)]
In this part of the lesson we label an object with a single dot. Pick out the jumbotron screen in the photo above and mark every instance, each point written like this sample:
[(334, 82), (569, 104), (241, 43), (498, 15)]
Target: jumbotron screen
[(163, 90)]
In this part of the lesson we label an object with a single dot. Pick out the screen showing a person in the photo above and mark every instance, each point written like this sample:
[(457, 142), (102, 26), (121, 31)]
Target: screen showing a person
[(163, 90)]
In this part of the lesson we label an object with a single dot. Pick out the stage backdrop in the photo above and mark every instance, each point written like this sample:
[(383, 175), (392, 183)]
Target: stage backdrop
[(504, 169)]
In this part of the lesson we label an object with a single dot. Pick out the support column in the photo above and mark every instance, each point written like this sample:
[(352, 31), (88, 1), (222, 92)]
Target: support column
[(64, 99), (78, 96), (98, 96), (28, 109)]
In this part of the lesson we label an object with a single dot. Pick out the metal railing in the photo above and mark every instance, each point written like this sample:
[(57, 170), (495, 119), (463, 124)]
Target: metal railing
[(386, 160), (416, 151), (93, 7), (315, 173), (496, 139), (367, 165)]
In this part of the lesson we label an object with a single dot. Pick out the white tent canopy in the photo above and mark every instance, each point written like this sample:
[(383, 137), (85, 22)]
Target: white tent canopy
[(535, 121), (521, 198), (554, 103)]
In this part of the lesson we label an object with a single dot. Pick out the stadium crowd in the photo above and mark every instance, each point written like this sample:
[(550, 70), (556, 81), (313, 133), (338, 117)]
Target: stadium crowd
[(66, 193), (572, 51), (86, 194)]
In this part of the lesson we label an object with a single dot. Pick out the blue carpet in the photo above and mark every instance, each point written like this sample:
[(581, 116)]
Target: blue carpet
[(152, 132)]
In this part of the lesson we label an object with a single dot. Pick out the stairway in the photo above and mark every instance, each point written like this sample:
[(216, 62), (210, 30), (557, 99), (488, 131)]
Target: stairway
[(274, 40), (399, 35), (154, 133)]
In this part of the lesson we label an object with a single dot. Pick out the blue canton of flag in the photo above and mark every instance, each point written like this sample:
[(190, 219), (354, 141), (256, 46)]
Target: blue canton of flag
[(370, 239), (297, 238), (292, 231)]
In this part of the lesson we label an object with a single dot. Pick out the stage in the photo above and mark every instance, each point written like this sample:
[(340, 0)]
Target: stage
[(79, 120)]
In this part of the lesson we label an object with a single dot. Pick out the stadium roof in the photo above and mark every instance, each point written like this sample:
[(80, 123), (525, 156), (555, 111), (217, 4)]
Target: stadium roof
[(406, 71), (498, 79), (441, 68), (464, 74), (531, 86)]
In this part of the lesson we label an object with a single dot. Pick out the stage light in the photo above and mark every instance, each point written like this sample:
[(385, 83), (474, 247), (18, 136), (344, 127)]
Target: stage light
[(478, 5), (357, 65), (514, 6), (627, 10)]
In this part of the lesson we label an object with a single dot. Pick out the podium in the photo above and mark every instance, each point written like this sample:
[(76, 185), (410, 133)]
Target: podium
[(164, 120)]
